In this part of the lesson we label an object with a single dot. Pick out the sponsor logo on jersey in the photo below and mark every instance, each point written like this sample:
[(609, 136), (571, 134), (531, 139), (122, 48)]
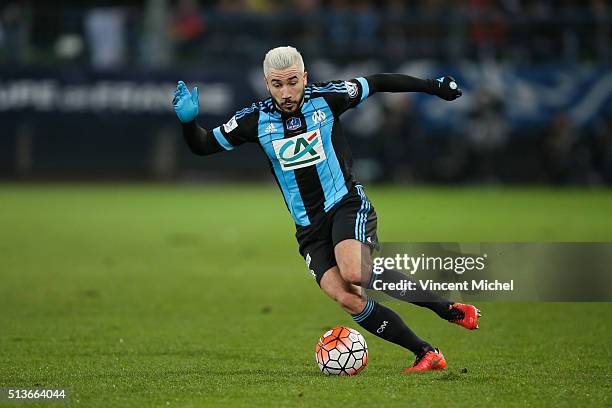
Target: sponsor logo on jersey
[(230, 125), (271, 128), (294, 123), (299, 151), (318, 117), (351, 88)]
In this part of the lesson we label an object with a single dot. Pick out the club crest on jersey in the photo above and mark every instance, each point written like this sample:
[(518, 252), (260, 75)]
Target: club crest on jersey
[(318, 116), (351, 88), (294, 123), (299, 151)]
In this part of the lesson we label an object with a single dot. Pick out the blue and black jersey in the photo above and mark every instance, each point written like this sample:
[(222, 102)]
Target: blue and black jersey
[(307, 151)]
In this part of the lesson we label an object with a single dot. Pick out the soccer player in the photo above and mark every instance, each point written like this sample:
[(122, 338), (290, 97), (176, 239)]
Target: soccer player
[(298, 128)]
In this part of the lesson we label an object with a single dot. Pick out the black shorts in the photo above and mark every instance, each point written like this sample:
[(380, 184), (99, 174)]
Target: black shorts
[(353, 217)]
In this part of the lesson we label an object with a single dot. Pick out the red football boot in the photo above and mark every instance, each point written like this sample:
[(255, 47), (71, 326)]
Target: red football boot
[(432, 360), (464, 315)]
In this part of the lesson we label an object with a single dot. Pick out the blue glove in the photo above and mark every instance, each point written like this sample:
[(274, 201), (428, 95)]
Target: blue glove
[(185, 103)]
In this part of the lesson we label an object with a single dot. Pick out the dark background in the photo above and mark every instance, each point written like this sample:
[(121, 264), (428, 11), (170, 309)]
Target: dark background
[(85, 87)]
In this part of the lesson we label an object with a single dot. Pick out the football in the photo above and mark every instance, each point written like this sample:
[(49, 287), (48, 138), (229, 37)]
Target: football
[(341, 351)]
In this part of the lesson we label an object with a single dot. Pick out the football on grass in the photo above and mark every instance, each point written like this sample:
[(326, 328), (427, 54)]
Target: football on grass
[(341, 351)]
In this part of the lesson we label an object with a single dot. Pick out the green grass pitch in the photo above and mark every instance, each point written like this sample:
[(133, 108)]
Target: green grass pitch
[(144, 296)]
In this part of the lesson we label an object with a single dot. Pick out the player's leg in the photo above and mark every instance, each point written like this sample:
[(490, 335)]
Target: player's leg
[(347, 296), (354, 227), (379, 319), (459, 313), (375, 318), (318, 251), (369, 314)]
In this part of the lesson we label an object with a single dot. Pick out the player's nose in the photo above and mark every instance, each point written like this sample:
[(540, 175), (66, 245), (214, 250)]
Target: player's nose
[(285, 94)]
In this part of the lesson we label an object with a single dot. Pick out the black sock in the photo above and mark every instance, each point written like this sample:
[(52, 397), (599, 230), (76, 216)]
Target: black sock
[(418, 296), (386, 324)]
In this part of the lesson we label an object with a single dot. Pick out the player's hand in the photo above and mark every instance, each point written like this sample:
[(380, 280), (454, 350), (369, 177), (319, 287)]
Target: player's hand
[(446, 88), (185, 103)]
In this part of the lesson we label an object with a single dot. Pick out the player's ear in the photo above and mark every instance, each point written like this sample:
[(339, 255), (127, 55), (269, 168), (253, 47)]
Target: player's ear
[(305, 77)]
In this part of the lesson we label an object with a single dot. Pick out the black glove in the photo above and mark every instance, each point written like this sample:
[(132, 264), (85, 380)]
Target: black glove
[(445, 87)]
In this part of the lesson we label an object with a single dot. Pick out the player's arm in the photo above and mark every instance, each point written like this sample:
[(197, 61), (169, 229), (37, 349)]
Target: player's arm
[(202, 141), (343, 95), (186, 106), (445, 87)]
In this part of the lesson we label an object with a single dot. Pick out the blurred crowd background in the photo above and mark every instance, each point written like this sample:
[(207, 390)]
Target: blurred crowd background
[(85, 87)]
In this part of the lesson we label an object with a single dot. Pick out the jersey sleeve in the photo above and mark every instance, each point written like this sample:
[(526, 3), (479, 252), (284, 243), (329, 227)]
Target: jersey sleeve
[(240, 128), (343, 95)]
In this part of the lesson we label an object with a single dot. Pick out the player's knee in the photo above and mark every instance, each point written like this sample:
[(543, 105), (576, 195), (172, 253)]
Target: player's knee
[(351, 302), (351, 274)]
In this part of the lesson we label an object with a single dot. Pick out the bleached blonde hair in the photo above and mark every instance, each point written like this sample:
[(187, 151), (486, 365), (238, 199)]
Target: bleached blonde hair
[(282, 58)]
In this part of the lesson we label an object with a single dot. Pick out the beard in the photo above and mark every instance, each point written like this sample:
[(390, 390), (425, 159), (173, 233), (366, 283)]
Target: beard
[(292, 107)]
